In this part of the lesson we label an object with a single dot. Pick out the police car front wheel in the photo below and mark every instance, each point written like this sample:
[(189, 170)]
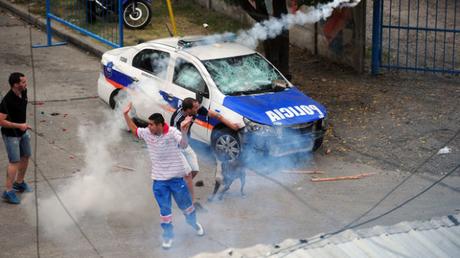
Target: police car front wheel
[(226, 144)]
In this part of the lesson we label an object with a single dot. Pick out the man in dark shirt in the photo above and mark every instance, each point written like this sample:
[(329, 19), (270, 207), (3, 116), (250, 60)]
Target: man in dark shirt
[(13, 112), (191, 107)]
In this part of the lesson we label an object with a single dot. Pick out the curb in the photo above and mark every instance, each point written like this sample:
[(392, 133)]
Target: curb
[(59, 31)]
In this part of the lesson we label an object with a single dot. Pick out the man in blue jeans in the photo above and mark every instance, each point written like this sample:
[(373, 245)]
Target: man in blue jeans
[(13, 112), (168, 169)]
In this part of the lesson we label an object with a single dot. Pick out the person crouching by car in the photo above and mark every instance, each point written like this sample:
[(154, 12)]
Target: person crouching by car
[(191, 108)]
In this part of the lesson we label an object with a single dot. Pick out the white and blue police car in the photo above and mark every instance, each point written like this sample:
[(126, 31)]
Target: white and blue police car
[(227, 77)]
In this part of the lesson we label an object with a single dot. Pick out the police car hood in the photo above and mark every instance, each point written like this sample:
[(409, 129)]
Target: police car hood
[(288, 107)]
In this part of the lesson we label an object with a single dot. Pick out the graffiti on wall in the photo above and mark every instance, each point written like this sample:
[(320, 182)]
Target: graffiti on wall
[(336, 28)]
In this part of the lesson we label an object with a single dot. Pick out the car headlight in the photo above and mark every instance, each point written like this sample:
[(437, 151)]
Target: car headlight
[(252, 126)]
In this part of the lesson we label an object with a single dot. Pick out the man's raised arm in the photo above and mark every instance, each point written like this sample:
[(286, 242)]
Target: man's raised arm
[(131, 125)]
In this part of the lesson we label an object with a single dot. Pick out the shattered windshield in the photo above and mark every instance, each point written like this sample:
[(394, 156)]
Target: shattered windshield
[(239, 75)]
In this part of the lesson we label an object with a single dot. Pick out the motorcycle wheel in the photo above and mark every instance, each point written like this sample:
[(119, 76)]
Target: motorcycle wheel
[(137, 15)]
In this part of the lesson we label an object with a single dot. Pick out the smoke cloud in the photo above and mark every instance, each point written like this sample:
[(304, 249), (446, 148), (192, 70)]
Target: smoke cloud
[(98, 191), (102, 189), (273, 27)]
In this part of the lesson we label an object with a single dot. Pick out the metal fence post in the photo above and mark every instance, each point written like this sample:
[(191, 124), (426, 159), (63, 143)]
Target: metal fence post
[(49, 30), (376, 37), (79, 17), (120, 23), (48, 23)]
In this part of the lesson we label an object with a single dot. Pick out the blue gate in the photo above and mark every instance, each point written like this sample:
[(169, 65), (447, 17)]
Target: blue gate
[(416, 35), (99, 19)]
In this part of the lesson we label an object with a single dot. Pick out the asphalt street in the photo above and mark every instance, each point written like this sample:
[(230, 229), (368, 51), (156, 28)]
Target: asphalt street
[(93, 195)]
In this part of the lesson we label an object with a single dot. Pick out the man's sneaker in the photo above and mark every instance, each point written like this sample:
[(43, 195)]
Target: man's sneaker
[(22, 187), (167, 243), (199, 229), (11, 197)]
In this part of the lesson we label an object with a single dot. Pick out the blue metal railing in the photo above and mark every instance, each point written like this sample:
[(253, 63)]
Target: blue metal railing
[(416, 35), (102, 24)]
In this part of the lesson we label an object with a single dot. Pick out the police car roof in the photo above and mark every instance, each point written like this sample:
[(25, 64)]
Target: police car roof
[(206, 50)]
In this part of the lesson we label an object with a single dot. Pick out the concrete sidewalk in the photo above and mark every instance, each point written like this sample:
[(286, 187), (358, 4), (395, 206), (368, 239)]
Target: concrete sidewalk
[(93, 188)]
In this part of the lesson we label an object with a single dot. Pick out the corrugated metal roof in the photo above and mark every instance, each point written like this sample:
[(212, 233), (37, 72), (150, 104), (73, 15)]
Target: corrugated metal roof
[(438, 237)]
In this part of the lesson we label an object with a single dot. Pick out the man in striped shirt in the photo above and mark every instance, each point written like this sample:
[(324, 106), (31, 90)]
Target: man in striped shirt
[(168, 169)]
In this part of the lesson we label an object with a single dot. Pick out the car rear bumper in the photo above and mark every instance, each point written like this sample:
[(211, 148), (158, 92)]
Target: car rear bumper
[(104, 88)]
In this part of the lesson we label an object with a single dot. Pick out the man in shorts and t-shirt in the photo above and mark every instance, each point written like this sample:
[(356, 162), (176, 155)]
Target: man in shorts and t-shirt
[(13, 113), (191, 108)]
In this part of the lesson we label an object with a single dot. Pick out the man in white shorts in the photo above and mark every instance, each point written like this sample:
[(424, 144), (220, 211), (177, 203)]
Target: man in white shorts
[(191, 107)]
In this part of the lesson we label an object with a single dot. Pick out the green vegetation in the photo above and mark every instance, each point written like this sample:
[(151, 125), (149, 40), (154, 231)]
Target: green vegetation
[(189, 18)]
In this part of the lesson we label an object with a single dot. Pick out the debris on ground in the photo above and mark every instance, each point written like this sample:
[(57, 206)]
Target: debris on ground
[(309, 172), (444, 150), (199, 183), (124, 167), (338, 178), (55, 114)]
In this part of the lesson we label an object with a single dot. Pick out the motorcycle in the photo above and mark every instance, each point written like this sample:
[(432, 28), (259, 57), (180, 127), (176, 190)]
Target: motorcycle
[(136, 13)]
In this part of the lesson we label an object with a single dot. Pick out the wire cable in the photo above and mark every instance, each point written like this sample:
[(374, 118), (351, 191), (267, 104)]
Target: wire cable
[(413, 172), (74, 220), (34, 160), (405, 202), (37, 220), (352, 224), (328, 235)]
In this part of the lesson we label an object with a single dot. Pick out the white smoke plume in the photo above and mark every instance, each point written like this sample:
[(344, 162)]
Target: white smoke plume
[(99, 190), (273, 27)]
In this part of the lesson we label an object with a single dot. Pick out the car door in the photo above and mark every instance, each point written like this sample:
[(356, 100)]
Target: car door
[(150, 71), (188, 81)]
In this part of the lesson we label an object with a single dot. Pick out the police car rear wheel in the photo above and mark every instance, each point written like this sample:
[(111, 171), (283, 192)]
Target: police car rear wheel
[(112, 102), (116, 97), (226, 145)]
